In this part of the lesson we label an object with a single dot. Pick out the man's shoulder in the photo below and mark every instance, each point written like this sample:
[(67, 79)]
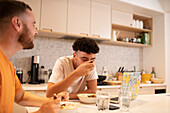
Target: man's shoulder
[(66, 59)]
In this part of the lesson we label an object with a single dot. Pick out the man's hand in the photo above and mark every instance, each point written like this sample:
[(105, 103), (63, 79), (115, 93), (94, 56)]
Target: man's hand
[(63, 95), (51, 106), (85, 68)]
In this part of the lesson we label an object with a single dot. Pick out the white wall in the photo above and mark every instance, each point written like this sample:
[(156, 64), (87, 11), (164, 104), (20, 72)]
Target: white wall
[(167, 50), (155, 56), (149, 4)]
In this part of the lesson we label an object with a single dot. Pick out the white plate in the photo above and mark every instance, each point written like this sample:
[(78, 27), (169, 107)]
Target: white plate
[(72, 110), (85, 99)]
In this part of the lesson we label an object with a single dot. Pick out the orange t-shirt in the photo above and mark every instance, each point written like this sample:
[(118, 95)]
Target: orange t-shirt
[(9, 84)]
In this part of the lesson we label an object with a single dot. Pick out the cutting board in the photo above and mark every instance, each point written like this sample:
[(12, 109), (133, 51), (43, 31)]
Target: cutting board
[(113, 82)]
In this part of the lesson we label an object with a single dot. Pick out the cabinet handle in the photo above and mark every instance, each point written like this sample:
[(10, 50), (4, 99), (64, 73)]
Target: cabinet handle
[(96, 36), (47, 29), (86, 34)]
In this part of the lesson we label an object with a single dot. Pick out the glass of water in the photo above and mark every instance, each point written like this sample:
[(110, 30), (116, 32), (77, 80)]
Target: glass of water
[(124, 100), (103, 100)]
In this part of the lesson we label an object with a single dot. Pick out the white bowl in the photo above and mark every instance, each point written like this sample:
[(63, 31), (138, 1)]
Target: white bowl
[(86, 98), (67, 109), (148, 82), (157, 80)]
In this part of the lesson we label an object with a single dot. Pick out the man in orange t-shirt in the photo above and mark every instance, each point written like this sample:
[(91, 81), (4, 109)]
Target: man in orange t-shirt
[(17, 32)]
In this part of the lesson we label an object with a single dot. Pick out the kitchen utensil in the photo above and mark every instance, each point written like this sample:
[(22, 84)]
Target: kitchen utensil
[(122, 69), (101, 78), (113, 82), (35, 70), (119, 74)]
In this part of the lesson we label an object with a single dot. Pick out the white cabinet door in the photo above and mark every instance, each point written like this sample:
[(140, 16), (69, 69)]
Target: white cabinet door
[(36, 8), (101, 20), (146, 90), (78, 17), (54, 15)]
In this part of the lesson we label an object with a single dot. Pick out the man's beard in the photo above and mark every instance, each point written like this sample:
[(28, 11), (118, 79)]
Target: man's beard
[(25, 38)]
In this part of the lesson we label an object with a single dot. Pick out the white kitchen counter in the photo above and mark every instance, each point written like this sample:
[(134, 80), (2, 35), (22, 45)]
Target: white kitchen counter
[(34, 87), (159, 103)]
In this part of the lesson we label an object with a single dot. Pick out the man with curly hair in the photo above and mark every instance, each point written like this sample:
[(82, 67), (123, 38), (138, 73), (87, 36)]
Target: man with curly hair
[(74, 73)]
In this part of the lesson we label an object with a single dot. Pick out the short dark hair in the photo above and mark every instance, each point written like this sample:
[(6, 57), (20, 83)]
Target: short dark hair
[(86, 45), (9, 9)]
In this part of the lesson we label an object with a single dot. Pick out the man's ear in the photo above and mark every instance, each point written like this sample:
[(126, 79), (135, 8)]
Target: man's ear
[(17, 24), (74, 54)]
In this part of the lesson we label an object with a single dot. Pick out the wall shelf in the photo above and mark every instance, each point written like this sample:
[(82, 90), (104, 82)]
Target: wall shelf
[(127, 44), (43, 33), (58, 35), (129, 28)]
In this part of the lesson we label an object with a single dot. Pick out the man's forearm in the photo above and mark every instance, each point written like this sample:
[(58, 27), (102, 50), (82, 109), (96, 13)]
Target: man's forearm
[(30, 99), (62, 85)]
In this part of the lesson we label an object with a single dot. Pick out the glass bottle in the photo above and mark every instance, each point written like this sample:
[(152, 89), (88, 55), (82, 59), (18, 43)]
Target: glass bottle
[(153, 73), (105, 72)]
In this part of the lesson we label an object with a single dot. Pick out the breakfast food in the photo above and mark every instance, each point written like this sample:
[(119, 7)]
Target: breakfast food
[(91, 96), (68, 106)]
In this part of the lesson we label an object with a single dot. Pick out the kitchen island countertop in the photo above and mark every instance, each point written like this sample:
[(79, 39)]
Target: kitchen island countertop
[(142, 104), (34, 87)]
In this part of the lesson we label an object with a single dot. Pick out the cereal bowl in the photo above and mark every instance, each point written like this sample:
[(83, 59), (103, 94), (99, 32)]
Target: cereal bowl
[(69, 107), (87, 98)]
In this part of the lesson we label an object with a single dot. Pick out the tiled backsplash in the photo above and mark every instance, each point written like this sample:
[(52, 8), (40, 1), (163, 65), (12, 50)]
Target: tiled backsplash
[(50, 49)]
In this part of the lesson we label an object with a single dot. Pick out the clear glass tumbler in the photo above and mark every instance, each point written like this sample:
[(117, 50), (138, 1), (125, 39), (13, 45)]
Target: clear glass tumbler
[(103, 100), (124, 100)]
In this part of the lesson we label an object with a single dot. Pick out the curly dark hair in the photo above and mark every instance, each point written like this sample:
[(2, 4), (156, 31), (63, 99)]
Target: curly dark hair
[(86, 45)]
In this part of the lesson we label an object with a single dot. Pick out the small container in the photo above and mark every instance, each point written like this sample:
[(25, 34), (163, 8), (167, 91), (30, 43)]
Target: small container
[(141, 24), (46, 77), (133, 23), (146, 77), (137, 23), (148, 82), (126, 39), (19, 73), (41, 77)]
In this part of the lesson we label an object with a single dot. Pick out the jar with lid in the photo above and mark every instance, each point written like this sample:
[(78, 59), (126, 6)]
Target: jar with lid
[(46, 76), (41, 77)]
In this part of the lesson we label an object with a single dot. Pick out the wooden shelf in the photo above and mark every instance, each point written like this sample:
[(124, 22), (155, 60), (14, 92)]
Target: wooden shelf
[(58, 35), (129, 28), (127, 44)]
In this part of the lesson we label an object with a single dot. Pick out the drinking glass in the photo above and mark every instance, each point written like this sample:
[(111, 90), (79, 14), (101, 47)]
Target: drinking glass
[(124, 100), (103, 101)]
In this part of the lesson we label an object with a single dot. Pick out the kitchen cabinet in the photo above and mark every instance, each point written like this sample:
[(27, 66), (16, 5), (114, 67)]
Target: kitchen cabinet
[(89, 18), (36, 8), (100, 20), (54, 15), (79, 17), (144, 89)]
